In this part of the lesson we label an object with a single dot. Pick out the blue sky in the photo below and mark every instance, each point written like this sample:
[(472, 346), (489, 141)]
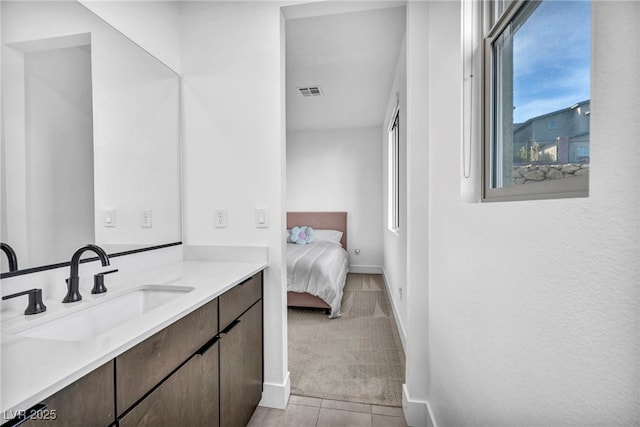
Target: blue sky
[(551, 59)]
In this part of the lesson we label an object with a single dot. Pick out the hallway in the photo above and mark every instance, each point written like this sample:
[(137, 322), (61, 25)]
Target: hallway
[(357, 357)]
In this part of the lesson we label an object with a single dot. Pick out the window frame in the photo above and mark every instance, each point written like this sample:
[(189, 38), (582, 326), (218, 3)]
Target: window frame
[(394, 170), (555, 189)]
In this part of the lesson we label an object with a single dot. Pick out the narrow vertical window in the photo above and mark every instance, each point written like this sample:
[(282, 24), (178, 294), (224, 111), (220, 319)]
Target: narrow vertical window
[(394, 172), (537, 100)]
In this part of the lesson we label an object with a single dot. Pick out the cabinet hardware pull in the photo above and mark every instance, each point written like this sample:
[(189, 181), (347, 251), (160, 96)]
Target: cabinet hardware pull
[(230, 327), (23, 416), (244, 282), (202, 350)]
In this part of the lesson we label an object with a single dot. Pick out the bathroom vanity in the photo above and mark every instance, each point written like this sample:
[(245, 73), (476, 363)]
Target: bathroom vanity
[(195, 359)]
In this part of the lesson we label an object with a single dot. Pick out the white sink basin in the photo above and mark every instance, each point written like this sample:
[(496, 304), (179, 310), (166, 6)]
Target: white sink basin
[(102, 316)]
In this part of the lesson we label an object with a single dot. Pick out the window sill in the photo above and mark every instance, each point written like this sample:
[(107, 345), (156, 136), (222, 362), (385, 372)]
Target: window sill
[(566, 188)]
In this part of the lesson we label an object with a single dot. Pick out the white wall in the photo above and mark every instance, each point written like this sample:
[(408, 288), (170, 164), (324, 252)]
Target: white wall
[(135, 121), (339, 170), (234, 147), (47, 137), (555, 341), (4, 266), (154, 25), (395, 242), (419, 104), (137, 164), (59, 148)]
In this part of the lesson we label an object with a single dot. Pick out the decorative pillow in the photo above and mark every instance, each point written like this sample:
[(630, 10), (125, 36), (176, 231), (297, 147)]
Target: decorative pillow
[(301, 235), (333, 236)]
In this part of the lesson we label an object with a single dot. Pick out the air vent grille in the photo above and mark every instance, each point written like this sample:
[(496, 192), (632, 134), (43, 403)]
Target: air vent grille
[(310, 91)]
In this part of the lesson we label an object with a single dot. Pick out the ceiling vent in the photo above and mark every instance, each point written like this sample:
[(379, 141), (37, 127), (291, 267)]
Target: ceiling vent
[(310, 91)]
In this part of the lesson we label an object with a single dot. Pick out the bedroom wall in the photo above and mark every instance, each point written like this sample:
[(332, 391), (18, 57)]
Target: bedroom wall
[(339, 170), (555, 341)]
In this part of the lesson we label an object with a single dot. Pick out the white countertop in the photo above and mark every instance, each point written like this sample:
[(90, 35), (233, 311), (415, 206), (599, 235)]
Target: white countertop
[(33, 369)]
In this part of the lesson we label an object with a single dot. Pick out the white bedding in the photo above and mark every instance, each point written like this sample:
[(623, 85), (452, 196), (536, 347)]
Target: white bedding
[(320, 269)]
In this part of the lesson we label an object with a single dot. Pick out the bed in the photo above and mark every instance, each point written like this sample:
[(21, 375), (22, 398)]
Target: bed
[(317, 272)]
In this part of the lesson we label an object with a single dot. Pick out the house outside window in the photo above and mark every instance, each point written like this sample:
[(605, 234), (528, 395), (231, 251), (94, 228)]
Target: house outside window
[(536, 99)]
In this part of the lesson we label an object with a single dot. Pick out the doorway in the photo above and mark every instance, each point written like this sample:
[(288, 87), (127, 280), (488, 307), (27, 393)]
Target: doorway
[(341, 66)]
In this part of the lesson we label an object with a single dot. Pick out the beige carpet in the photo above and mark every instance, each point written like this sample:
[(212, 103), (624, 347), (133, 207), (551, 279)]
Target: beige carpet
[(357, 357)]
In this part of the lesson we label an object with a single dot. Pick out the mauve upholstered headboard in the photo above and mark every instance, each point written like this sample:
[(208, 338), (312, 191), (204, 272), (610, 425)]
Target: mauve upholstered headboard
[(321, 220)]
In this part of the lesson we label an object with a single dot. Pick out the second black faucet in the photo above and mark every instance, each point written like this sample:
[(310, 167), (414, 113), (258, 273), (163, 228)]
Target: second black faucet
[(73, 282)]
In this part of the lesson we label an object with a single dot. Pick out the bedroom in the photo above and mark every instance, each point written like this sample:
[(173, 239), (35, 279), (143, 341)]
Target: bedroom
[(336, 162)]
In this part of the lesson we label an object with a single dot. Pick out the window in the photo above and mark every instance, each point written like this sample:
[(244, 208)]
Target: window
[(536, 99), (394, 172)]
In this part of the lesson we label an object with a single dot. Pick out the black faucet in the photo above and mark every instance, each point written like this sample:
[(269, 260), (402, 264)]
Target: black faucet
[(11, 256), (73, 282)]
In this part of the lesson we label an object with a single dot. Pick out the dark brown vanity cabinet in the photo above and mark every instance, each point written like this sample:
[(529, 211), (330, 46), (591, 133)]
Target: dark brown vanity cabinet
[(241, 368), (205, 369), (205, 378), (87, 402)]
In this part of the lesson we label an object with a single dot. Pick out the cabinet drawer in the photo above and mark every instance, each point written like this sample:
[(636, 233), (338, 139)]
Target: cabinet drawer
[(85, 403), (238, 299), (139, 369)]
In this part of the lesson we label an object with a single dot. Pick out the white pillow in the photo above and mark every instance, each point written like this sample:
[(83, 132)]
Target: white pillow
[(332, 236)]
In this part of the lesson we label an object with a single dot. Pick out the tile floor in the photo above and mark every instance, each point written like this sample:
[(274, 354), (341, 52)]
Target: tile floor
[(312, 412)]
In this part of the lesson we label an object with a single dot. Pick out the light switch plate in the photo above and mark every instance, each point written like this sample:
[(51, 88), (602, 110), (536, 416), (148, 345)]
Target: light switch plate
[(109, 218), (262, 218)]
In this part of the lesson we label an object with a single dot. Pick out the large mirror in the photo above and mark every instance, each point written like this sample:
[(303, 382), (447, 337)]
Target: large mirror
[(90, 137)]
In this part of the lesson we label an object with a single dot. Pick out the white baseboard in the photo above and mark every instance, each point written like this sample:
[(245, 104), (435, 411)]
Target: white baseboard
[(396, 314), (416, 412), (365, 269), (276, 395)]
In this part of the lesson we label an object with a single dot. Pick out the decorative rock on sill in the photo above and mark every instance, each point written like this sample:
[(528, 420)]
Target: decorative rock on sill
[(538, 173)]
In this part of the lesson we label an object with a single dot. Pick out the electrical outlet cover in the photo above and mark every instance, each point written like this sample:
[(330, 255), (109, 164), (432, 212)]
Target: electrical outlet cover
[(220, 218), (146, 220)]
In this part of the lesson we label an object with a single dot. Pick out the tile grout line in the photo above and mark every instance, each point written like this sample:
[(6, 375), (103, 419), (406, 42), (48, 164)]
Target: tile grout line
[(318, 416)]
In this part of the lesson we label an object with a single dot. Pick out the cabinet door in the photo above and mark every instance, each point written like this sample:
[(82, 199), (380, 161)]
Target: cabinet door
[(141, 368), (85, 403), (189, 397), (241, 368)]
